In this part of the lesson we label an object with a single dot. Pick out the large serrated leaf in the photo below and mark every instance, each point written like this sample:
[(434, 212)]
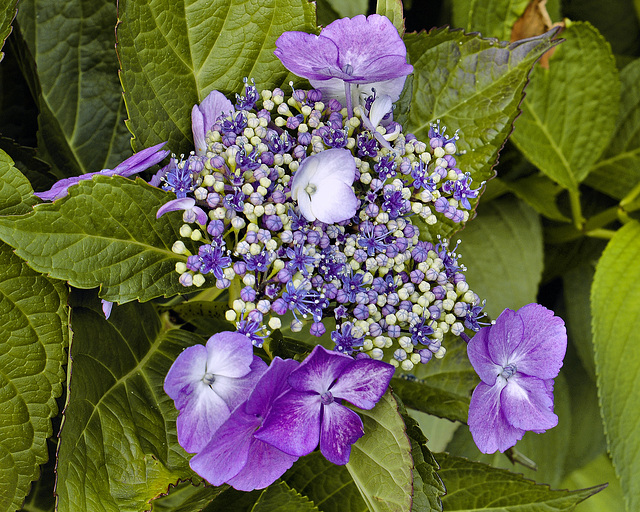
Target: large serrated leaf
[(173, 53), (104, 233), (502, 250), (329, 486), (473, 85), (81, 107), (380, 462), (481, 487), (570, 106), (33, 339), (16, 194), (619, 168), (492, 18), (279, 497), (118, 444), (615, 315)]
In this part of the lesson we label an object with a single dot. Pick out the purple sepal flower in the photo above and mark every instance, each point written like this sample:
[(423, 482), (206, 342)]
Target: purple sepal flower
[(235, 456), (208, 382), (106, 308), (359, 50), (203, 117), (139, 162), (184, 203), (517, 359), (311, 411)]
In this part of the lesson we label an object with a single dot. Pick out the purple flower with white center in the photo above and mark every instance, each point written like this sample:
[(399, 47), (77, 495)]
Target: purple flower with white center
[(461, 191), (236, 456), (299, 260), (251, 329), (517, 359), (322, 186), (359, 51), (210, 259), (248, 101), (203, 117), (352, 284), (304, 300), (421, 331), (394, 204), (135, 164), (473, 316), (311, 411), (208, 382), (344, 340), (259, 262)]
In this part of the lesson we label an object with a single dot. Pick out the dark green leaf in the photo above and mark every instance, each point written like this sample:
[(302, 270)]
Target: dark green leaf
[(33, 340), (443, 386), (186, 497), (473, 85), (615, 316), (24, 158), (279, 497), (105, 233), (205, 315), (41, 497), (492, 18), (475, 486), (502, 250), (7, 13), (349, 9), (173, 53), (380, 462), (619, 168), (16, 194), (541, 194), (329, 486), (571, 106), (118, 446), (80, 101)]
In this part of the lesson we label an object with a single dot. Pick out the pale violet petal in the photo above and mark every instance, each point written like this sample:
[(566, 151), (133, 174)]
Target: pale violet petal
[(334, 201), (183, 203)]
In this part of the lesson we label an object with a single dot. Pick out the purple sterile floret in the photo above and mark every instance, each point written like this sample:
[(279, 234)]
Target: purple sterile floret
[(137, 163), (311, 411), (208, 382), (235, 456), (517, 359), (203, 117)]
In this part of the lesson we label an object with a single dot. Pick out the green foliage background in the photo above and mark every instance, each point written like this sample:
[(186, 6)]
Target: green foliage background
[(558, 225)]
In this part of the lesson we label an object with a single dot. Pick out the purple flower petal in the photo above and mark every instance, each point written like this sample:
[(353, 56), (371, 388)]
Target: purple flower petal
[(183, 203), (106, 308), (487, 423), (543, 345), (341, 428), (334, 202), (309, 56), (234, 391), (272, 384), (293, 424), (504, 336), (185, 373), (229, 354), (319, 370), (203, 117), (527, 404), (363, 383), (478, 352)]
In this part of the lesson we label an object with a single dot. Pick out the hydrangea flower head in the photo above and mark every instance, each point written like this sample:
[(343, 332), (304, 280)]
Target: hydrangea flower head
[(517, 359), (311, 411), (208, 382), (235, 456)]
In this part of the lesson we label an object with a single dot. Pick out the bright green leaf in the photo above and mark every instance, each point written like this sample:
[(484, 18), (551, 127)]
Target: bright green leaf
[(16, 194), (104, 233), (598, 471), (279, 497), (615, 315), (33, 340), (393, 10), (541, 194), (492, 18), (502, 250), (349, 9), (173, 53), (380, 462), (118, 444), (571, 106), (81, 107), (474, 486), (186, 497), (473, 85), (443, 386), (329, 486), (7, 13), (619, 168)]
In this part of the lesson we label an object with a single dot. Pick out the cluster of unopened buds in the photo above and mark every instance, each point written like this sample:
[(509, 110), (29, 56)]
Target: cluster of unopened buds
[(319, 214)]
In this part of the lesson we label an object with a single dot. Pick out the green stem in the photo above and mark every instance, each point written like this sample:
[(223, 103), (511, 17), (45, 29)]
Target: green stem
[(602, 219), (576, 209), (631, 196), (606, 234)]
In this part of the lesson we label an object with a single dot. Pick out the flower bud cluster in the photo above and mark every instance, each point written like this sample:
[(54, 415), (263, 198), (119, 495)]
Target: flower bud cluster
[(392, 295)]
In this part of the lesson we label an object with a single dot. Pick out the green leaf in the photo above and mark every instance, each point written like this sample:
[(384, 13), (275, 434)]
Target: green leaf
[(473, 85), (104, 233), (541, 194), (393, 10), (173, 53), (81, 107), (7, 14), (186, 497), (32, 351), (615, 316), (16, 194), (502, 250), (475, 486), (492, 18), (118, 445), (599, 470), (349, 9), (34, 169), (570, 106), (619, 168), (329, 486), (206, 316), (443, 386), (279, 497), (380, 462)]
